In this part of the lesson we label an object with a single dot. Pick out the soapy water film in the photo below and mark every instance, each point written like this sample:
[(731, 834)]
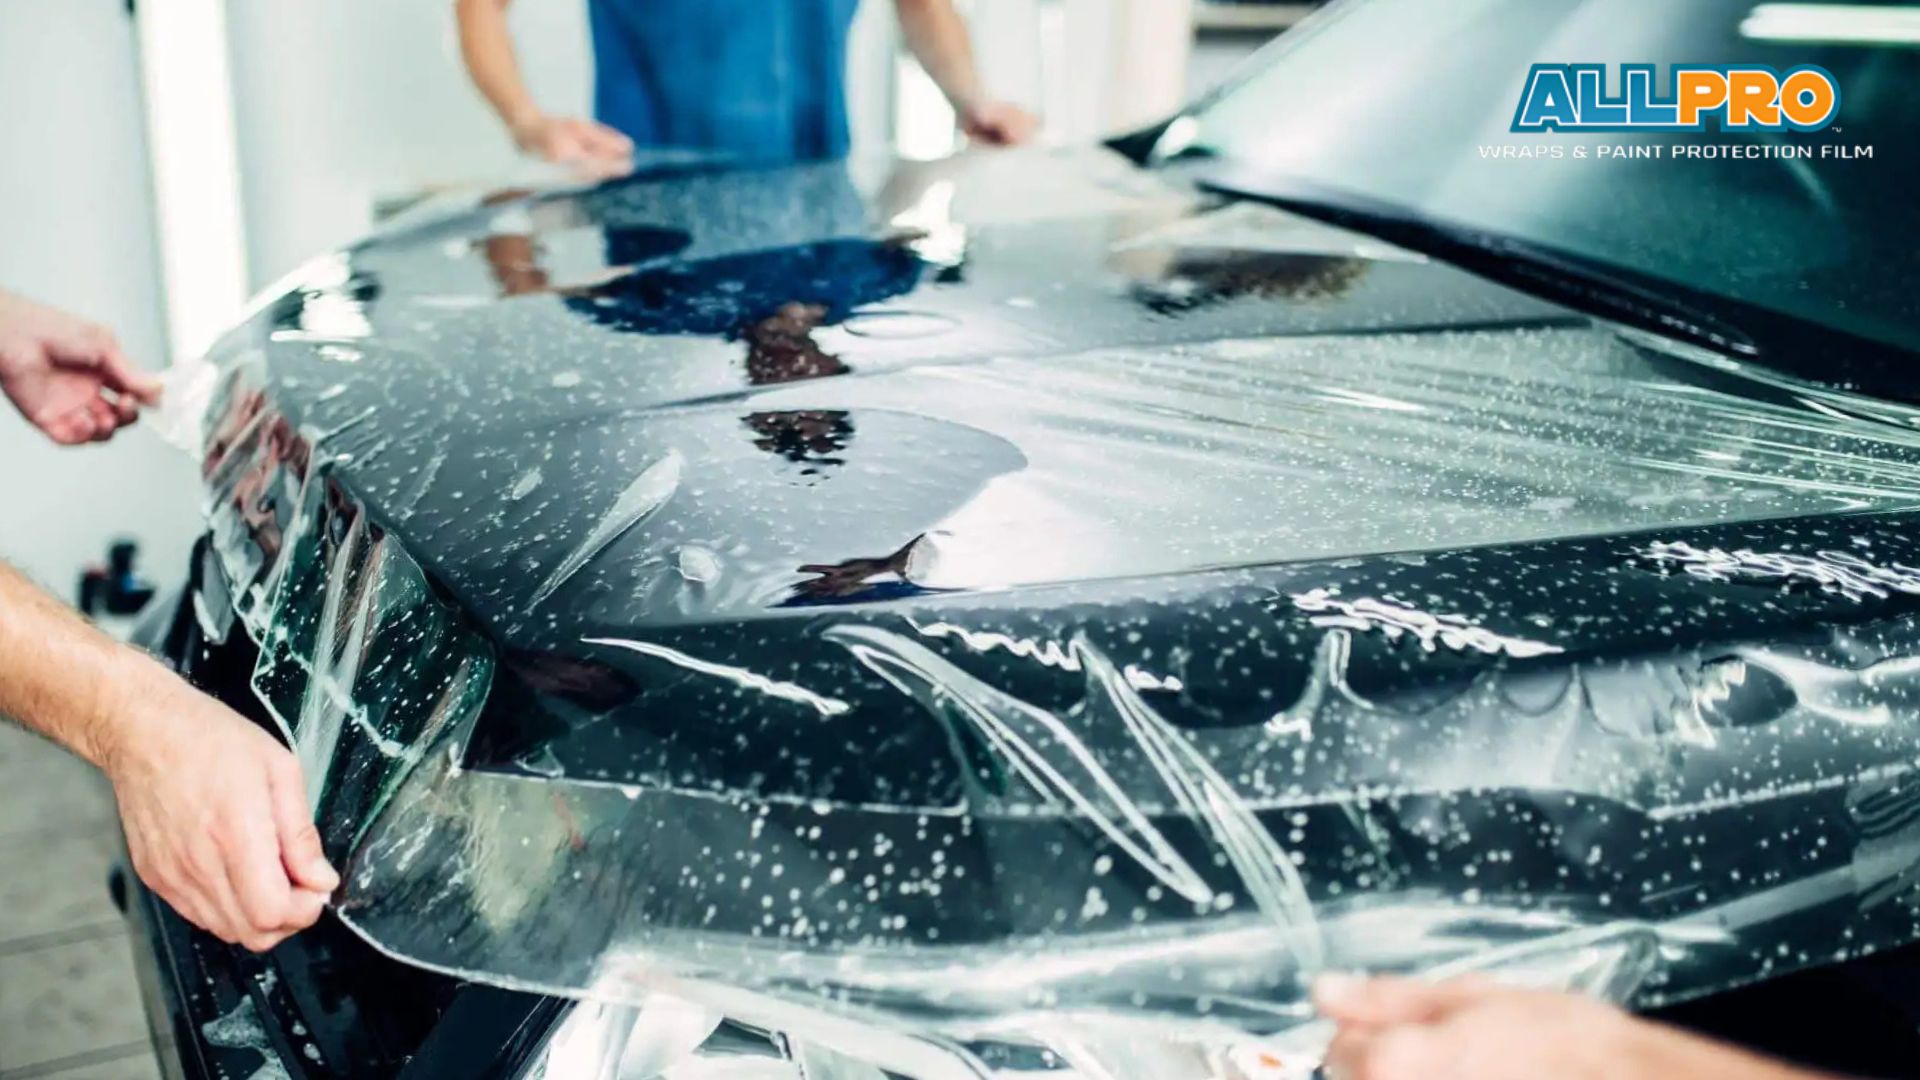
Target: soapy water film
[(1153, 808)]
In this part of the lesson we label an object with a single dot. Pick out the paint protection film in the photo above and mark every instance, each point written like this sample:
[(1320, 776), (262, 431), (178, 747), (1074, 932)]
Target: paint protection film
[(1031, 689)]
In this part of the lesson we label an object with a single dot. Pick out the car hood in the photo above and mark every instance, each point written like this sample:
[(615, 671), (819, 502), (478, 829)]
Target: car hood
[(800, 587)]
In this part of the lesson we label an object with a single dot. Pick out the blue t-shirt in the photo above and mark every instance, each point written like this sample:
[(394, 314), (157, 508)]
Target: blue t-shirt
[(758, 80)]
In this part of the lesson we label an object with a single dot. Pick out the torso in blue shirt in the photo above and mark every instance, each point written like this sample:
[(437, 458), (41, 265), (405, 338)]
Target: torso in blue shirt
[(761, 80)]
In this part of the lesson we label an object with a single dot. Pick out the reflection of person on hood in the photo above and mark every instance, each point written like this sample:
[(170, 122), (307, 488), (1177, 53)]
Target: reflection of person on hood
[(810, 437), (763, 255), (774, 301), (1193, 279), (772, 298), (780, 347), (516, 257), (816, 284), (788, 257)]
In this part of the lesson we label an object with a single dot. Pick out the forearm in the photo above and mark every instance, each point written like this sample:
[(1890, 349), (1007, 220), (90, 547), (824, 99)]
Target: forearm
[(59, 675), (1664, 1051), (938, 39), (486, 46)]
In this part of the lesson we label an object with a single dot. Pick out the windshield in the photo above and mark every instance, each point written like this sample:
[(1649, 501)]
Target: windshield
[(1383, 103)]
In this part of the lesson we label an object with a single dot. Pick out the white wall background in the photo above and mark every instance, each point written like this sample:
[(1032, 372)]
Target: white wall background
[(340, 103), (77, 231)]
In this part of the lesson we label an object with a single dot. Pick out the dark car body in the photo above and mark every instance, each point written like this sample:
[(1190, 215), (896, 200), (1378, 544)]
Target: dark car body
[(1027, 612)]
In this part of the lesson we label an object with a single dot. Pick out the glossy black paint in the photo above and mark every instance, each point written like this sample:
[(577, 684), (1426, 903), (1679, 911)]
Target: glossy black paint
[(581, 351), (777, 378), (330, 991)]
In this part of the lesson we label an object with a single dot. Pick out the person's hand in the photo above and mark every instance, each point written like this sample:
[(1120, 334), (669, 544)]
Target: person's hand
[(67, 376), (216, 815), (998, 123), (586, 145), (1470, 1029), (1475, 1029)]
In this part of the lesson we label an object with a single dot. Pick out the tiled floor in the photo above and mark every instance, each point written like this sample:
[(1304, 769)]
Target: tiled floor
[(69, 1007)]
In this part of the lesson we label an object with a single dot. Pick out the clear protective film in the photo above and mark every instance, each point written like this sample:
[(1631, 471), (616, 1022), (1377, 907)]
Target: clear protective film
[(1094, 625)]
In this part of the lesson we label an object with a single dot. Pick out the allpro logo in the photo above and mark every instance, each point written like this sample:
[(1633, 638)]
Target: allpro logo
[(1574, 97)]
